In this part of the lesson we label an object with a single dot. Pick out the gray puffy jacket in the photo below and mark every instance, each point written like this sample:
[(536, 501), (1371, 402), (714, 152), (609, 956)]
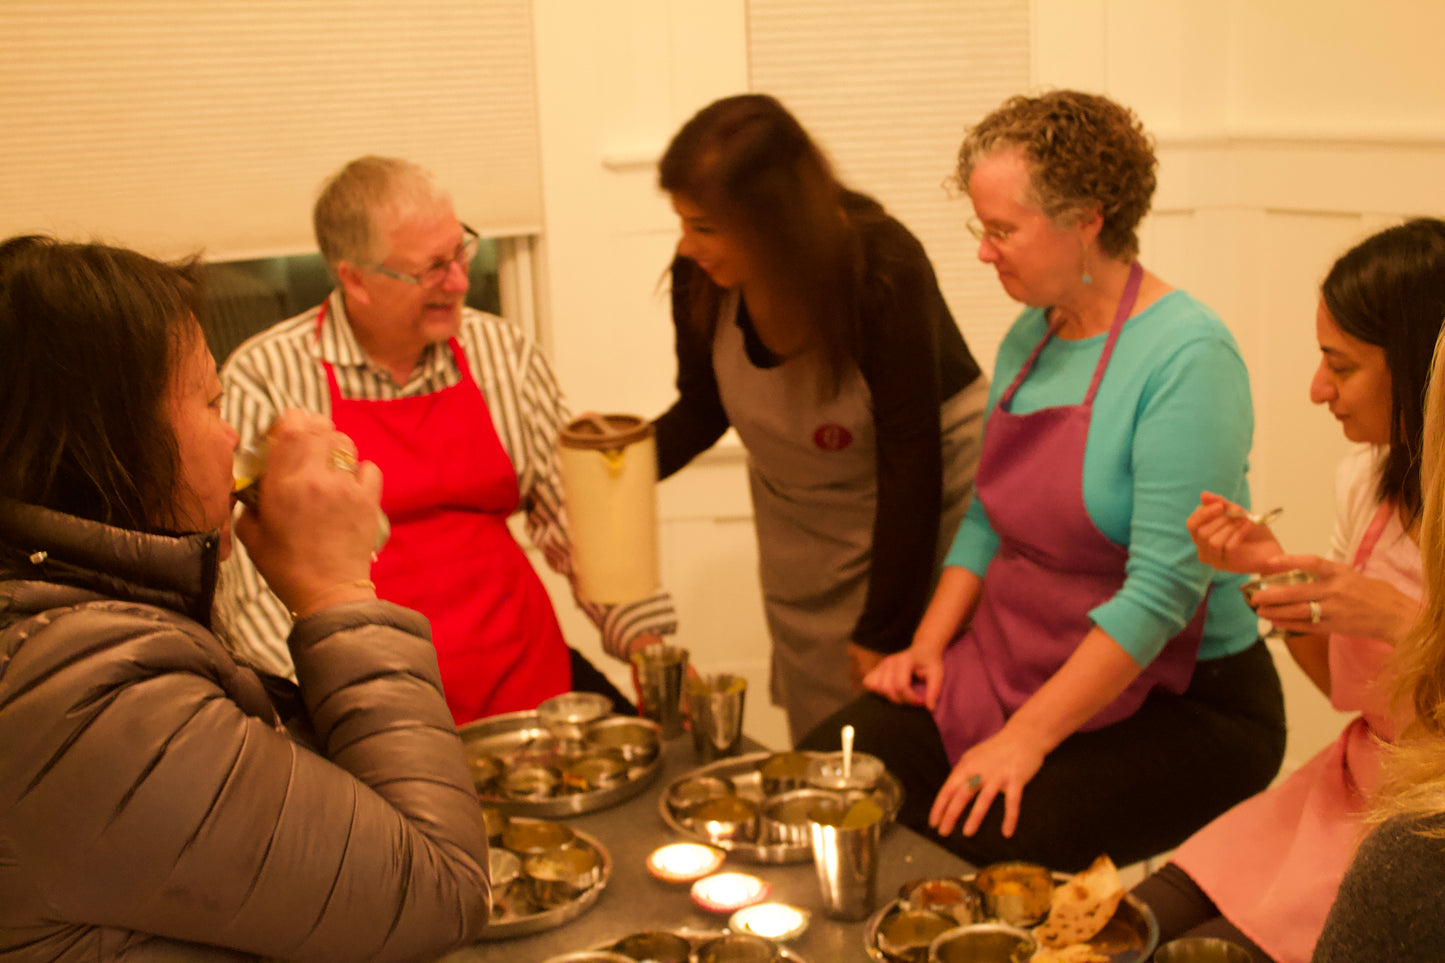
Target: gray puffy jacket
[(152, 799)]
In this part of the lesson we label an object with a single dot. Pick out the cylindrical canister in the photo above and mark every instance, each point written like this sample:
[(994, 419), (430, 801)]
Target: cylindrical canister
[(609, 479)]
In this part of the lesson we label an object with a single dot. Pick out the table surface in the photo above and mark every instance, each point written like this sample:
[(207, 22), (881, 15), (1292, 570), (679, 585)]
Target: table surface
[(634, 900)]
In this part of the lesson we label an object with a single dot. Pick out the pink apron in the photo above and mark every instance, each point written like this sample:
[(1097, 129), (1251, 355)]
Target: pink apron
[(1273, 863), (1052, 567), (448, 487)]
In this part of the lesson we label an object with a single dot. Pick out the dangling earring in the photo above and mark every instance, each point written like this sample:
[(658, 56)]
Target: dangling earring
[(1084, 256), (1088, 278)]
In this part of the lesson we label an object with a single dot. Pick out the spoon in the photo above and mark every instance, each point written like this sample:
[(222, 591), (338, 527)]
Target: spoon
[(1258, 518), (847, 753)]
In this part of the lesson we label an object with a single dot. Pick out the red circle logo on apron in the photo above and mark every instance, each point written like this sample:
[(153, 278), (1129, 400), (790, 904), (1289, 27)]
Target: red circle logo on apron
[(832, 437)]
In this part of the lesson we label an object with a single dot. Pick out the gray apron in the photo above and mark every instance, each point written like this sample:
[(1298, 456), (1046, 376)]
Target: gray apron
[(813, 473)]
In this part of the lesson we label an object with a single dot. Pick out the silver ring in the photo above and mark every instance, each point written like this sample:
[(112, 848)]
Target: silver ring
[(974, 782), (1315, 613), (344, 459)]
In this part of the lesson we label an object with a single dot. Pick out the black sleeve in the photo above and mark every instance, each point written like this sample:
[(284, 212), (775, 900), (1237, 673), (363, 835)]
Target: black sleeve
[(696, 419), (912, 358), (1387, 909)]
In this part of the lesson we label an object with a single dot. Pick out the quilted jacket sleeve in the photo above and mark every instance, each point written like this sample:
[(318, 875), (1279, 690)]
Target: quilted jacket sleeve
[(152, 796)]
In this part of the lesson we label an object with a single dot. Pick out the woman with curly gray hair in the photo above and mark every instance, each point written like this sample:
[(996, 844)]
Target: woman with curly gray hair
[(1078, 664)]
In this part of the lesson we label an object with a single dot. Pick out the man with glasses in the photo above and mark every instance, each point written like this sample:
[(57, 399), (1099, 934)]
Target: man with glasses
[(461, 413)]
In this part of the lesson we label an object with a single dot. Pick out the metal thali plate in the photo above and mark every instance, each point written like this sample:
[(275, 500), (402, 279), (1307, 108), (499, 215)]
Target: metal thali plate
[(511, 925), (695, 937), (519, 740), (743, 773), (1131, 936)]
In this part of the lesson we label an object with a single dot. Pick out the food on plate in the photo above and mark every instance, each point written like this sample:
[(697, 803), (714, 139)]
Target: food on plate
[(1016, 893), (1073, 953), (1082, 905)]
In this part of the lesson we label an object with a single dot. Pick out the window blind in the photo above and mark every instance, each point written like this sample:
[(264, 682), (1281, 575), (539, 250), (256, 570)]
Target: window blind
[(888, 90), (172, 125)]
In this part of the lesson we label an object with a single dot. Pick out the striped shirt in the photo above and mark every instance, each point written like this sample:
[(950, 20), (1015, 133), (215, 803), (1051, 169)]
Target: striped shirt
[(282, 368)]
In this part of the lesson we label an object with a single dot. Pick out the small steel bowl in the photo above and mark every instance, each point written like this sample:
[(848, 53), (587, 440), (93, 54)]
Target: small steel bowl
[(726, 819), (982, 943), (635, 739), (864, 771), (1017, 893), (485, 770), (1198, 949), (1260, 582), (530, 782), (573, 709), (561, 875), (506, 866), (784, 818), (685, 795), (739, 948), (655, 946), (950, 897), (496, 822), (783, 771), (905, 934), (590, 956), (598, 770), (527, 837)]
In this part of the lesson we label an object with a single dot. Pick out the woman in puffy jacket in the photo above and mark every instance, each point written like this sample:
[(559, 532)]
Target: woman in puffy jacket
[(159, 799)]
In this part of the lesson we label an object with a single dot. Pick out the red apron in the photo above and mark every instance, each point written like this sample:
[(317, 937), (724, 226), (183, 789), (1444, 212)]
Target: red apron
[(448, 490), (1052, 567)]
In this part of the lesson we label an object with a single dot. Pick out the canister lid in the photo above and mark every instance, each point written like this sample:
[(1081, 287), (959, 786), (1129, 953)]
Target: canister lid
[(606, 432)]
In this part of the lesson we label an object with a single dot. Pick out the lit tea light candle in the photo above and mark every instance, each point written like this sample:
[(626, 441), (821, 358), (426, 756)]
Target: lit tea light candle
[(776, 921), (726, 892), (684, 862)]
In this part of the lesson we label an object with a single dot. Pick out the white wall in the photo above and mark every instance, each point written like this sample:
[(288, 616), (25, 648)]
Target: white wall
[(1288, 129)]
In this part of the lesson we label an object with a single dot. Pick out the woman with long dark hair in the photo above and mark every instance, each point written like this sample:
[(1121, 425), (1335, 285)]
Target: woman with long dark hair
[(1265, 873), (810, 321)]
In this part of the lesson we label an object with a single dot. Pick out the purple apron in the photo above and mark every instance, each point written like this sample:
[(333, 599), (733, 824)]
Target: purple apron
[(1052, 567)]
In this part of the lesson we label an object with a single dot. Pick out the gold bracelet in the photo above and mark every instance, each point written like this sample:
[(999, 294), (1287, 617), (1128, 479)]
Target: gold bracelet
[(365, 583)]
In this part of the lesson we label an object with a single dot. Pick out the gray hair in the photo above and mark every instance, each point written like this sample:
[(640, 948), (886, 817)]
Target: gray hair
[(347, 216)]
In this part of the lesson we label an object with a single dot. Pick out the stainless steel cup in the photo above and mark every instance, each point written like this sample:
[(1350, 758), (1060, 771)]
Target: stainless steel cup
[(661, 670), (845, 857), (715, 703), (1198, 949)]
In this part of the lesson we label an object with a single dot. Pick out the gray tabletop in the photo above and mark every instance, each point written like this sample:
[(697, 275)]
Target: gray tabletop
[(634, 900)]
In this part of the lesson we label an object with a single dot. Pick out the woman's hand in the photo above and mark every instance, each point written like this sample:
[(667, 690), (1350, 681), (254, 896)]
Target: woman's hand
[(896, 676), (861, 661), (315, 524), (1002, 763), (1345, 602), (1227, 542), (1091, 678)]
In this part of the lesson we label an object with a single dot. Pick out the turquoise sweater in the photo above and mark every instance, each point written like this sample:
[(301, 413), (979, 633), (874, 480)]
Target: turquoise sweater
[(1172, 418)]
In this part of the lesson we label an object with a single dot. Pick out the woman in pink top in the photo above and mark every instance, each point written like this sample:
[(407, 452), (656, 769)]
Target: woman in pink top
[(1265, 873)]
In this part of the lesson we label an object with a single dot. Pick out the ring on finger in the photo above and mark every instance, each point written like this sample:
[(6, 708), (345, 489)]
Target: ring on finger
[(344, 459), (974, 782), (1315, 613)]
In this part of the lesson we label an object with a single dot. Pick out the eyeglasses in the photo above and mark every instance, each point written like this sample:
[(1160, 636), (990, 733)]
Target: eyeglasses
[(437, 272), (981, 233)]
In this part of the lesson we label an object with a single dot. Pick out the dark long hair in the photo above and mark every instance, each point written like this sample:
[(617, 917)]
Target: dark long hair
[(90, 335), (752, 167), (1389, 291)]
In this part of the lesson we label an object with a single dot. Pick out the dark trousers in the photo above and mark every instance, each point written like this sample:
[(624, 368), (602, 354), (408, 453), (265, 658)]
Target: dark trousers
[(1130, 790), (1183, 909), (586, 677)]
